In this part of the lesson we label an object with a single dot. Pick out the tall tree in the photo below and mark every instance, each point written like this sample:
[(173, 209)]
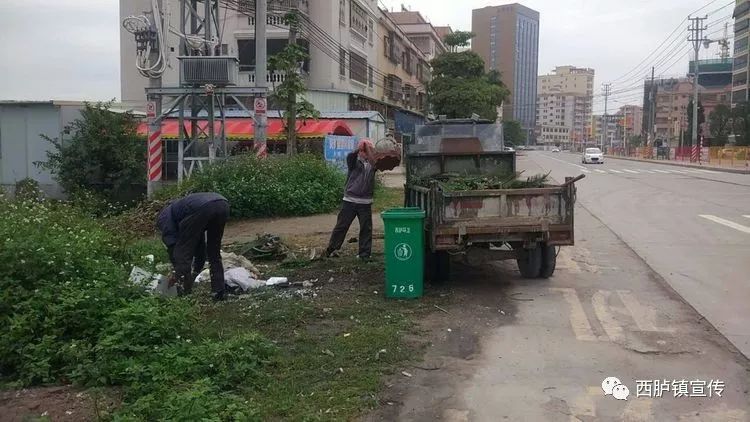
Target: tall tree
[(458, 39), (741, 123), (513, 133), (460, 86), (289, 93), (635, 140), (719, 122)]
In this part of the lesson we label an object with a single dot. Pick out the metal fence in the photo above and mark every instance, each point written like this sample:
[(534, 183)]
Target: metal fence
[(734, 157)]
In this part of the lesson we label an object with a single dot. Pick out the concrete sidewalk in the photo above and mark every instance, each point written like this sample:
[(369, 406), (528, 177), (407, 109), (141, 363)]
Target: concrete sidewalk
[(737, 170)]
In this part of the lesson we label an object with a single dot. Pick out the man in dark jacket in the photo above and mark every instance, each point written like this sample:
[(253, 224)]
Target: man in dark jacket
[(192, 228), (357, 202)]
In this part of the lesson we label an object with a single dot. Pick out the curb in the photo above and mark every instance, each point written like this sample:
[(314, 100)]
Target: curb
[(669, 163)]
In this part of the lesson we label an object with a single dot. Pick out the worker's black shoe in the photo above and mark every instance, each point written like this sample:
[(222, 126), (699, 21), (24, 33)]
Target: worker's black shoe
[(332, 254), (220, 296)]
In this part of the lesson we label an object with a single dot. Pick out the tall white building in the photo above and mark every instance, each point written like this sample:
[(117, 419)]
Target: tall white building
[(564, 105), (346, 53)]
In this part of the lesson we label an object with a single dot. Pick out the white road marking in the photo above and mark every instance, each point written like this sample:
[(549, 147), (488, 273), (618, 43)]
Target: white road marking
[(746, 216), (610, 325), (732, 224), (578, 320), (600, 171), (678, 171), (586, 170), (644, 317), (692, 171), (631, 171), (615, 171), (646, 171), (708, 171), (661, 171)]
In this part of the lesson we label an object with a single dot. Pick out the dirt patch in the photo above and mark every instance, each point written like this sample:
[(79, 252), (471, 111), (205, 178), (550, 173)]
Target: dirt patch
[(62, 403)]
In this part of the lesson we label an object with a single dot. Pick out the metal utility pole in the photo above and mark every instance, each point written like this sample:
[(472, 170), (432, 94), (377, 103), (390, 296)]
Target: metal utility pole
[(605, 123), (696, 37), (291, 139), (261, 77), (652, 111)]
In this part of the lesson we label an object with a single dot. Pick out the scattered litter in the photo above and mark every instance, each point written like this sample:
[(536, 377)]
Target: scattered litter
[(347, 334), (326, 309), (232, 260), (406, 374), (68, 412), (376, 292), (449, 330), (328, 352), (308, 283), (340, 370), (157, 283), (313, 254), (276, 280), (330, 280), (379, 352), (502, 312), (441, 309), (241, 278), (353, 240), (149, 258), (265, 247), (45, 413)]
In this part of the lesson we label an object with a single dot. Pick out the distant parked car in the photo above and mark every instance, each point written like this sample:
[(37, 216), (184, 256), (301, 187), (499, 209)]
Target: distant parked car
[(555, 149), (508, 149), (592, 155)]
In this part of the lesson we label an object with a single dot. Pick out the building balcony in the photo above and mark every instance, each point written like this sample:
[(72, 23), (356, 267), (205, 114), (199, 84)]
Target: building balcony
[(247, 78)]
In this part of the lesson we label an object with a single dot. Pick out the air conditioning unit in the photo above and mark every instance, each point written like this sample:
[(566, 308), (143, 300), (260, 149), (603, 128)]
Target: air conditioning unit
[(214, 70)]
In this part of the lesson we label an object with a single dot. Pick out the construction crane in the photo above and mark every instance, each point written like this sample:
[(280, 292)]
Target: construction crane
[(724, 52)]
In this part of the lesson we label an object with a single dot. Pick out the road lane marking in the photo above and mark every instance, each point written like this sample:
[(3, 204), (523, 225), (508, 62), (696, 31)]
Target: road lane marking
[(746, 216), (708, 171), (678, 171), (631, 171), (600, 171), (615, 171), (578, 320), (610, 325), (661, 171), (732, 224), (644, 317), (646, 171), (586, 170)]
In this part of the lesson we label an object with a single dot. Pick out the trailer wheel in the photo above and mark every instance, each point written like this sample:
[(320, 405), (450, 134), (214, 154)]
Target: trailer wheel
[(549, 260), (530, 262)]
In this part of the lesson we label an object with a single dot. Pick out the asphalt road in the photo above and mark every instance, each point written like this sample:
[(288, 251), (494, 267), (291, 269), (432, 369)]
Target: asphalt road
[(538, 350), (692, 226)]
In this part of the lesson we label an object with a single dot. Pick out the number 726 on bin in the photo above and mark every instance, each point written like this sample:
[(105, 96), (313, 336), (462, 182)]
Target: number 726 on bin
[(403, 288)]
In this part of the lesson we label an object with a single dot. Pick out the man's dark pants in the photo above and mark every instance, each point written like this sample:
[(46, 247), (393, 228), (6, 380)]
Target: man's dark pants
[(349, 210), (200, 238)]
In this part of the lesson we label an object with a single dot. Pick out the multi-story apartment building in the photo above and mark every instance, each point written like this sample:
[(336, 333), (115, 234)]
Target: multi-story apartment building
[(565, 99), (669, 114), (597, 130), (741, 52), (507, 38), (630, 121), (425, 36), (348, 42)]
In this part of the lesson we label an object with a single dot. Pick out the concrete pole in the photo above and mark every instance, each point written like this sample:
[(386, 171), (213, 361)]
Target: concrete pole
[(261, 74), (291, 139), (153, 111)]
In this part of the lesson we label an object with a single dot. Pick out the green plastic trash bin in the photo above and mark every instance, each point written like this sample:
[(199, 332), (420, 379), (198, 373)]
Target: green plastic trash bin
[(404, 252)]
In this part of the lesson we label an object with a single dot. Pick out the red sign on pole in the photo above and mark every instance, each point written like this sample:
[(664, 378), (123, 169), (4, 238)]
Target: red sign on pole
[(260, 105), (151, 109)]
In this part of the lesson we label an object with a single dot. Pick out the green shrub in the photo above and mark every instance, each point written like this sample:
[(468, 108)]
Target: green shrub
[(28, 190), (70, 315), (276, 186), (104, 154)]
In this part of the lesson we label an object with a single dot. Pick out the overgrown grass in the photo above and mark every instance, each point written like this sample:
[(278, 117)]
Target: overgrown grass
[(72, 316), (334, 349)]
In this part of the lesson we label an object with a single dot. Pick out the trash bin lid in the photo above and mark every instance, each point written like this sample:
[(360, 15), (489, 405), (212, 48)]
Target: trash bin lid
[(403, 213)]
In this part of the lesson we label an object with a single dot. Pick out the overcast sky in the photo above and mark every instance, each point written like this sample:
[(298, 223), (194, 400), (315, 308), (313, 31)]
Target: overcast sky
[(69, 49)]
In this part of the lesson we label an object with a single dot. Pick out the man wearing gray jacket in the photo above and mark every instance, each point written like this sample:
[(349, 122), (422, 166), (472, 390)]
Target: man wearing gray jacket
[(357, 202)]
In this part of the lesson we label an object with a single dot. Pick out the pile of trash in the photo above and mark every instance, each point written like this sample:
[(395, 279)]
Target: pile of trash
[(267, 247), (240, 276)]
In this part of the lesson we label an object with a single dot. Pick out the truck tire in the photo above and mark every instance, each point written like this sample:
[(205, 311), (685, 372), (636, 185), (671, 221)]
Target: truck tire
[(530, 262), (549, 260)]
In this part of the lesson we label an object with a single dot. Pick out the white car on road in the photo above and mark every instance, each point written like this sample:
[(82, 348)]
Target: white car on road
[(592, 155)]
